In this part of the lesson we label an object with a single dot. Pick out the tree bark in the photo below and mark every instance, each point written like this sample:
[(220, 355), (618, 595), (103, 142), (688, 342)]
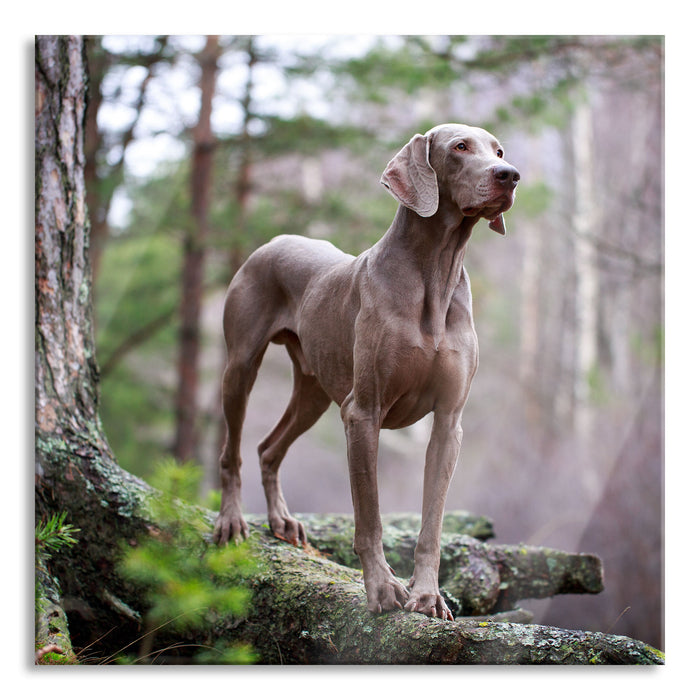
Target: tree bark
[(308, 610), (186, 410), (65, 365), (478, 578), (75, 470)]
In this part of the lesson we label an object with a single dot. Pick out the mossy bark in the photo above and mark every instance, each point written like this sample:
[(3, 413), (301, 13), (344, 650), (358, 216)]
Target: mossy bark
[(51, 635), (480, 577), (310, 610)]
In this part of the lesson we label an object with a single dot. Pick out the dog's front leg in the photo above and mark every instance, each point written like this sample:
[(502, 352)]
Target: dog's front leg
[(384, 591), (230, 523), (441, 458)]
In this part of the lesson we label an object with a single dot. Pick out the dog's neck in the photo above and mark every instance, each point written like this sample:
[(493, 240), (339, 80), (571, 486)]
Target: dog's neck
[(429, 252)]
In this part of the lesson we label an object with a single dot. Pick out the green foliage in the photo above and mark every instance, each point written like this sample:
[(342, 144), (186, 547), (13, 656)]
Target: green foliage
[(305, 135), (550, 71), (137, 298), (141, 263), (137, 412), (54, 534), (136, 270), (550, 105), (188, 583), (412, 66), (212, 500)]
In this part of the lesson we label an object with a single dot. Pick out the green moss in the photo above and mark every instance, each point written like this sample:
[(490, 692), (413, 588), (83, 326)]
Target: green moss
[(658, 654)]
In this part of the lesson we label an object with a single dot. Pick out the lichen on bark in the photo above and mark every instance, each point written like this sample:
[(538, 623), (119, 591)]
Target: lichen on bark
[(320, 616), (478, 578)]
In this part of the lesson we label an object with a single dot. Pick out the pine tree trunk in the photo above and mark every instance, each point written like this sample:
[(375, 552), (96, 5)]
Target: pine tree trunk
[(75, 470), (186, 407), (66, 370), (242, 190)]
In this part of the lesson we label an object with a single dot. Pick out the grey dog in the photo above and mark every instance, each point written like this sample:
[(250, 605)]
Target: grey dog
[(388, 335)]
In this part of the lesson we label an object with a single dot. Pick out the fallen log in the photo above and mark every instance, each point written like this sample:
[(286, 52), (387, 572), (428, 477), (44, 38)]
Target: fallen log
[(307, 609), (479, 578)]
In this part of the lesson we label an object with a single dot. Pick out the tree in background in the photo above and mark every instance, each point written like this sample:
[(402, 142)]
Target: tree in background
[(204, 144), (105, 149), (241, 214)]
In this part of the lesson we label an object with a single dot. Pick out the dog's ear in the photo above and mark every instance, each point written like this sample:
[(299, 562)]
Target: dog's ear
[(411, 179), (498, 225)]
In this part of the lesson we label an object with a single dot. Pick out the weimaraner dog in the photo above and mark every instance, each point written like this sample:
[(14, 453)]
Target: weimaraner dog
[(388, 335)]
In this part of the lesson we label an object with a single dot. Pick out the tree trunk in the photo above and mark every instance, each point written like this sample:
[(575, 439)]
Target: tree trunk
[(102, 186), (530, 313), (305, 608), (242, 190), (75, 469), (186, 411), (584, 225), (66, 370)]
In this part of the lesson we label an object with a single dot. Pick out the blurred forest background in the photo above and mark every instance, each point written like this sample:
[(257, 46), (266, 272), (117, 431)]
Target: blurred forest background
[(199, 149)]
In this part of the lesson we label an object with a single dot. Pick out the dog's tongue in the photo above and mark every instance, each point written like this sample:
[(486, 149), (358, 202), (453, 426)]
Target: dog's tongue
[(498, 225)]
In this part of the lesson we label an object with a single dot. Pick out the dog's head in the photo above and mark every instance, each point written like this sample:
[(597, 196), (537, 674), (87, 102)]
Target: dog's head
[(461, 164)]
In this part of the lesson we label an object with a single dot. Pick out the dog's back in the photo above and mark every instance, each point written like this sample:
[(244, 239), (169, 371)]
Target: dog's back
[(269, 286)]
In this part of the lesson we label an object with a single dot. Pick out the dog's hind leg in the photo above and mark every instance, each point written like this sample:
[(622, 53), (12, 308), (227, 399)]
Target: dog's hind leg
[(237, 382), (247, 326), (307, 403)]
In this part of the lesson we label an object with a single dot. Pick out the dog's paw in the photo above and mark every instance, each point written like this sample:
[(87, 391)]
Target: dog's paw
[(430, 604), (230, 526), (288, 528), (389, 594)]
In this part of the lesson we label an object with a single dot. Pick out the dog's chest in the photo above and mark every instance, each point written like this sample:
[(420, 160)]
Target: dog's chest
[(421, 377)]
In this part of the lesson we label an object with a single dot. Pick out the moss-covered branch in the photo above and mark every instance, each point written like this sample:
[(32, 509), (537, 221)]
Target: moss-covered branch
[(305, 609), (480, 577), (308, 609)]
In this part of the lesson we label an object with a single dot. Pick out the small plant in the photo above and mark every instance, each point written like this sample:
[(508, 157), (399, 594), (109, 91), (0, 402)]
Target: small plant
[(49, 537), (189, 584)]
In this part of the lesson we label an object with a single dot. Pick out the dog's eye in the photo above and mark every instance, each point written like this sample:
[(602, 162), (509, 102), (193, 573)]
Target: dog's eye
[(461, 146), (499, 153)]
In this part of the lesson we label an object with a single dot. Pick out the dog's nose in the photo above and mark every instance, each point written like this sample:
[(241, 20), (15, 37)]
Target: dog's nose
[(506, 175)]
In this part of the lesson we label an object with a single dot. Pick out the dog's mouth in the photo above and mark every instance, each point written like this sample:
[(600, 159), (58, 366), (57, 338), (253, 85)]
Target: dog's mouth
[(493, 208), (493, 211)]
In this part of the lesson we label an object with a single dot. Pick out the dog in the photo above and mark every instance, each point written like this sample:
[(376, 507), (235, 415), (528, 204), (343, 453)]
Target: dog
[(388, 335)]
